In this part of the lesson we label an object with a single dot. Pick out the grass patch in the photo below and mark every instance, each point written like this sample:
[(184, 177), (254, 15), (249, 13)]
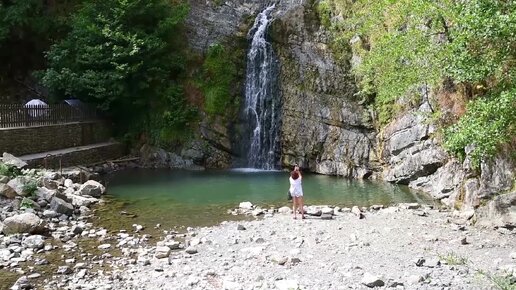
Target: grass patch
[(452, 258), (500, 281)]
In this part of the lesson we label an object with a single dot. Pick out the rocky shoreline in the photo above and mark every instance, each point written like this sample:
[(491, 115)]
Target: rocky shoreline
[(408, 246), (48, 241)]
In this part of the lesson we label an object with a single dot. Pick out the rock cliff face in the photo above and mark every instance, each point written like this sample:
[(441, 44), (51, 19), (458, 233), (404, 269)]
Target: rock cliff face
[(324, 129)]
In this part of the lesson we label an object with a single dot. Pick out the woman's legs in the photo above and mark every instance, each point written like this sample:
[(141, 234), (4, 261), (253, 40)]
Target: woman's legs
[(301, 205), (294, 203)]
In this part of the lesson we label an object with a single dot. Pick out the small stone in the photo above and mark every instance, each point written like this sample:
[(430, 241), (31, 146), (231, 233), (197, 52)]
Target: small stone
[(326, 216), (64, 270), (104, 247), (286, 284), (241, 227), (284, 210), (415, 279), (420, 262), (433, 263), (295, 261), (34, 276), (191, 250), (279, 259), (463, 241), (34, 242), (371, 281), (513, 255), (162, 252)]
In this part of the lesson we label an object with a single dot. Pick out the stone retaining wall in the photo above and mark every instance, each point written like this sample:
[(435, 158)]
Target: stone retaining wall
[(84, 157), (21, 141)]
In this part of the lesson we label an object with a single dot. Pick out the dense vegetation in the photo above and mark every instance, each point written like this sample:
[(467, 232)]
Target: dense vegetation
[(125, 56), (457, 48)]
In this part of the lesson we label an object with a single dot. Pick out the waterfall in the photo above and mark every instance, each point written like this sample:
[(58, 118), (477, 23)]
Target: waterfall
[(262, 98)]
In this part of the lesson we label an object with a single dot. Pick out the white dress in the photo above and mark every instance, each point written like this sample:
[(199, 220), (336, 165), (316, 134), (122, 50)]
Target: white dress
[(296, 190)]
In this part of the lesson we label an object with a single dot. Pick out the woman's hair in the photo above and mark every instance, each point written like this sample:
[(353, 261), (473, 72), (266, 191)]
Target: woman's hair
[(294, 174)]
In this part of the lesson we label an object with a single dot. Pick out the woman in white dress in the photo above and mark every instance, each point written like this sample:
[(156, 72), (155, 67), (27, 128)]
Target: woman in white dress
[(296, 191)]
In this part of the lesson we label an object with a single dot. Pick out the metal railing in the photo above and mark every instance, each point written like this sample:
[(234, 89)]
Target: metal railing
[(19, 115)]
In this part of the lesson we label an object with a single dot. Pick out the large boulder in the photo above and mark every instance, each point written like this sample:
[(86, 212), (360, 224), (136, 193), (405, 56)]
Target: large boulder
[(60, 206), (7, 191), (10, 159), (92, 188), (498, 212), (22, 223)]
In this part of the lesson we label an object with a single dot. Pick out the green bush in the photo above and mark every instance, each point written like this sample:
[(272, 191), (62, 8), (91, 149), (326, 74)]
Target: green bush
[(30, 188), (9, 171), (488, 124)]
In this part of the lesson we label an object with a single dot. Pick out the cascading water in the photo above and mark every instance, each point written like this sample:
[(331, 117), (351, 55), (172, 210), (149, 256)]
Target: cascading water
[(262, 100)]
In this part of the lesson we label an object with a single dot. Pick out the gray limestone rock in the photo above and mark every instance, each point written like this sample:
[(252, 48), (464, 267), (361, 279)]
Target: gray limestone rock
[(11, 160), (7, 191), (92, 188), (61, 207), (22, 223)]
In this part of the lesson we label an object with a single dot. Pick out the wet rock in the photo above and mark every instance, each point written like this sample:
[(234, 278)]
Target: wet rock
[(22, 223), (371, 281), (60, 206)]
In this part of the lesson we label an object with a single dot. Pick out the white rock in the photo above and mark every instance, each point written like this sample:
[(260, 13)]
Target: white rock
[(104, 247), (162, 252), (34, 242), (372, 281), (284, 210), (191, 250), (246, 205), (286, 284), (327, 210), (68, 182), (414, 279), (257, 212)]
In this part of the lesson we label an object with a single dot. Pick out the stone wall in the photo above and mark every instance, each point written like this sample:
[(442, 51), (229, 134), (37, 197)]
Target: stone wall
[(86, 156), (21, 141)]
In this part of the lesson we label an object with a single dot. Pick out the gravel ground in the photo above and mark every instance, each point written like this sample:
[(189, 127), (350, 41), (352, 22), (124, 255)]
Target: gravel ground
[(392, 248)]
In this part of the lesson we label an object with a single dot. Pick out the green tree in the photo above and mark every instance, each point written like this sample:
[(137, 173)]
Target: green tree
[(27, 29), (124, 55)]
